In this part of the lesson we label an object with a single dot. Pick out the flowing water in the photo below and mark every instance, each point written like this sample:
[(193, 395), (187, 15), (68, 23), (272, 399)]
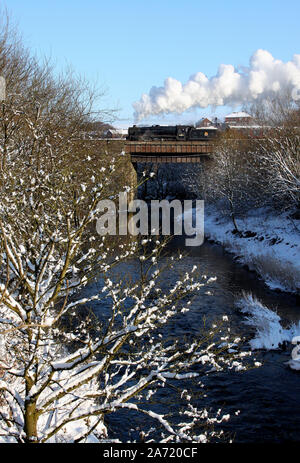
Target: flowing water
[(268, 397)]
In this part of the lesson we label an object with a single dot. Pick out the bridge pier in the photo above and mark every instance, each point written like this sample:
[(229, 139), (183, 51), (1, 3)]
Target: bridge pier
[(162, 157), (133, 182)]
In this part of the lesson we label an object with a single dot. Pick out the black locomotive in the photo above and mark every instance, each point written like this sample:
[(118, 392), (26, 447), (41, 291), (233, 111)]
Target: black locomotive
[(170, 132)]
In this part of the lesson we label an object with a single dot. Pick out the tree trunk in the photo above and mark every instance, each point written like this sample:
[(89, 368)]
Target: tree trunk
[(30, 422), (233, 216)]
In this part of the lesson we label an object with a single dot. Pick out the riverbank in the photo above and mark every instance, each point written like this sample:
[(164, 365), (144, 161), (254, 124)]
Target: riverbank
[(266, 243)]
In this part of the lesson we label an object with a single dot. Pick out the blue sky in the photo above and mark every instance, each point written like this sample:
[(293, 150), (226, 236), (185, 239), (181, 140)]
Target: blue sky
[(129, 46)]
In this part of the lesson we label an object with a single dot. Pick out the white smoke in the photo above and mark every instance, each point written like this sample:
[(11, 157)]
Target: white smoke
[(230, 87)]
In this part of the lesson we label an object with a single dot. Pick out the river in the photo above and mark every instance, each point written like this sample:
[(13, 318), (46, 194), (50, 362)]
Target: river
[(268, 397)]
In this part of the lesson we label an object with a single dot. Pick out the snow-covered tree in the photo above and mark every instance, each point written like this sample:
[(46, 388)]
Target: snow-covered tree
[(61, 376), (280, 153), (63, 369), (278, 150), (232, 178)]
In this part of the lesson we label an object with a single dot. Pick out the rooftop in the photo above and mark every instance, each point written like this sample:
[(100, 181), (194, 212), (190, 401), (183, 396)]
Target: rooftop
[(238, 114)]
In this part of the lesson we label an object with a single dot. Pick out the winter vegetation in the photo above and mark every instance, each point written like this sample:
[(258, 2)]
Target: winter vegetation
[(269, 332), (63, 369), (252, 192), (267, 242)]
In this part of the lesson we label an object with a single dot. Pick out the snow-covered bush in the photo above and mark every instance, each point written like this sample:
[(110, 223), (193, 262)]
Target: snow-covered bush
[(283, 275), (269, 332)]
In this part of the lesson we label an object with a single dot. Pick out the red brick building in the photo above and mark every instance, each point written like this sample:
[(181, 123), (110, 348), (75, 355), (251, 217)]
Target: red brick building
[(239, 118)]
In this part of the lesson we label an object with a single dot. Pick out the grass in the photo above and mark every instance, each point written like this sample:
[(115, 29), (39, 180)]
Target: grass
[(283, 275)]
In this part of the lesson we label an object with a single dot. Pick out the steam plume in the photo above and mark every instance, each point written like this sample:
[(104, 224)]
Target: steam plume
[(230, 87)]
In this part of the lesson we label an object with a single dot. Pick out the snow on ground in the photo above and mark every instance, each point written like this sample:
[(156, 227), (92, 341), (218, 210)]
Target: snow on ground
[(269, 332), (268, 243)]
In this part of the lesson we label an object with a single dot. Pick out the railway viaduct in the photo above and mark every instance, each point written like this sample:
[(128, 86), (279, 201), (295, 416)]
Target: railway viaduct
[(168, 151), (163, 152)]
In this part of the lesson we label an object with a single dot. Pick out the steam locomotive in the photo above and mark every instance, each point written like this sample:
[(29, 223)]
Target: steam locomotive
[(170, 132)]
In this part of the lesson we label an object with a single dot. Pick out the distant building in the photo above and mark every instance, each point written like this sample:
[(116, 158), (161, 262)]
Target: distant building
[(245, 124), (204, 122), (116, 133), (239, 119), (95, 130)]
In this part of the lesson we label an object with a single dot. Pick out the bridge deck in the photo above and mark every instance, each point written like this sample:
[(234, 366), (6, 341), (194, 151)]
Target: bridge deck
[(168, 151)]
